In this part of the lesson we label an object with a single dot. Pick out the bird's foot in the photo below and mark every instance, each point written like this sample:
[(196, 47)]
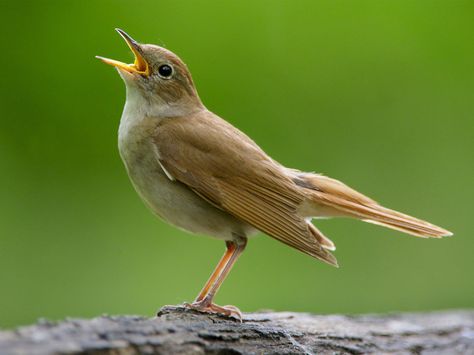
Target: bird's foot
[(207, 307)]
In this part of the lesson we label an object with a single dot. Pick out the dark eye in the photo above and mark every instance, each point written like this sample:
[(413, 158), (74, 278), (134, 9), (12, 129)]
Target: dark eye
[(165, 71)]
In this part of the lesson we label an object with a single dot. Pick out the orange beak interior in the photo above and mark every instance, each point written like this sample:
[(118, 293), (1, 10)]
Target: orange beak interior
[(140, 66)]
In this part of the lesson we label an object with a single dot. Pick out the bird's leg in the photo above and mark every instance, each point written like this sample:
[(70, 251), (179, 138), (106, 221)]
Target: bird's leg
[(203, 301)]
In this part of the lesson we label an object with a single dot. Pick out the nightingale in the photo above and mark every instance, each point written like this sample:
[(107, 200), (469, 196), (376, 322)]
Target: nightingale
[(198, 172)]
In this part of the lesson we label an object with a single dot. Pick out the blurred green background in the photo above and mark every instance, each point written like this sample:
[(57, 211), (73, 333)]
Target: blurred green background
[(379, 94)]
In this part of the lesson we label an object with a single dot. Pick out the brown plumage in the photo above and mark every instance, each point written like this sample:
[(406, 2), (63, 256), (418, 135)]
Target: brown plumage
[(202, 174), (226, 167)]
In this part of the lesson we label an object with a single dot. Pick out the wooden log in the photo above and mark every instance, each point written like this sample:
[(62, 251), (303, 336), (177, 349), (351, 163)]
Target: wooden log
[(177, 330)]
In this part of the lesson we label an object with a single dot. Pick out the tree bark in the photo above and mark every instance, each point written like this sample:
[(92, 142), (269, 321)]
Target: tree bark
[(181, 331)]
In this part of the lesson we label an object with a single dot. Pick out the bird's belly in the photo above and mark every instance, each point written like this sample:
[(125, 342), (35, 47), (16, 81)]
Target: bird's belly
[(175, 202)]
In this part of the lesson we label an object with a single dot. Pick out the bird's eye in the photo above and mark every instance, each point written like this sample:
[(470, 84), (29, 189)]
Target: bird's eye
[(165, 71)]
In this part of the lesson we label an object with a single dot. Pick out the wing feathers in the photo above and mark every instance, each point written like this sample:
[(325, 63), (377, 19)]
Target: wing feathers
[(275, 220), (237, 177)]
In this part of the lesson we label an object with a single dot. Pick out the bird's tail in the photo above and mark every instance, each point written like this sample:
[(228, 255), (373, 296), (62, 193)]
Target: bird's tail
[(380, 215), (337, 199)]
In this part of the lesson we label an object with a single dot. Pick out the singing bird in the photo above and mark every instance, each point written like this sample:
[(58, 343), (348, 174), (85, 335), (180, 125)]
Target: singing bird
[(201, 174)]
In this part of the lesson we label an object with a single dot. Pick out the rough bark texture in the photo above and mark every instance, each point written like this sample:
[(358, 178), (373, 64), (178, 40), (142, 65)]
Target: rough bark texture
[(180, 331)]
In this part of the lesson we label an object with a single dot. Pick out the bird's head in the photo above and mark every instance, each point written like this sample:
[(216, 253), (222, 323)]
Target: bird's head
[(158, 76)]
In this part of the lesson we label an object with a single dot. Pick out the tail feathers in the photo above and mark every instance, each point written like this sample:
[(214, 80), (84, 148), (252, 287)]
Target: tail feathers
[(330, 197), (325, 242), (331, 187), (374, 213)]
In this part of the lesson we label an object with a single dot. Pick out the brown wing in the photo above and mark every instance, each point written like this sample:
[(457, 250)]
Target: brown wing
[(223, 165)]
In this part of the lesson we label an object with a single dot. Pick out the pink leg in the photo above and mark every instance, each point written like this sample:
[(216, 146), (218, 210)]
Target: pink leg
[(203, 301)]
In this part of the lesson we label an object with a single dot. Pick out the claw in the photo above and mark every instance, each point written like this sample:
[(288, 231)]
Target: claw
[(226, 311)]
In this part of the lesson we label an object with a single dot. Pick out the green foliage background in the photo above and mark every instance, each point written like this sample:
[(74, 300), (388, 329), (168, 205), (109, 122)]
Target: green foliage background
[(379, 94)]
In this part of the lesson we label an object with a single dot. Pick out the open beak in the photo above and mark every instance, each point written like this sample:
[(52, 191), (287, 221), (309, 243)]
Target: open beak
[(140, 66)]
